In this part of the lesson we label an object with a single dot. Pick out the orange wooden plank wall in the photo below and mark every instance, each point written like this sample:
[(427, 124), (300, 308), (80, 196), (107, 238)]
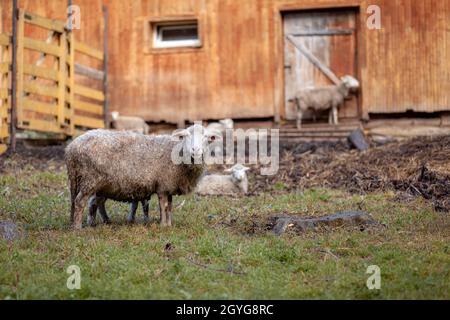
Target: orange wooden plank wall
[(239, 70)]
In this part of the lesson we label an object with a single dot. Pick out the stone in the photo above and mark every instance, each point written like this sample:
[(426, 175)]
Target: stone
[(9, 231), (358, 140)]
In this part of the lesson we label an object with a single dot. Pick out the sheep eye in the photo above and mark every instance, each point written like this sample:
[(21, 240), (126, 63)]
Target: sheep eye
[(213, 138)]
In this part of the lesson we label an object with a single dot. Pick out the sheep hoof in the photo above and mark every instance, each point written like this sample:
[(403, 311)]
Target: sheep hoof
[(130, 219), (146, 219), (90, 221)]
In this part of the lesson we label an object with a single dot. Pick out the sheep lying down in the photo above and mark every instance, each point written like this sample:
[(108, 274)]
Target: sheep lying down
[(130, 167), (233, 184)]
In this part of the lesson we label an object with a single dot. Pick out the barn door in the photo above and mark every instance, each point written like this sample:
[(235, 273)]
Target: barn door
[(320, 47)]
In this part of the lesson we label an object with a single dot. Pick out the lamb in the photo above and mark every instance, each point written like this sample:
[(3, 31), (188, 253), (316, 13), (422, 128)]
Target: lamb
[(98, 203), (127, 166), (221, 126), (324, 98), (233, 184), (135, 124)]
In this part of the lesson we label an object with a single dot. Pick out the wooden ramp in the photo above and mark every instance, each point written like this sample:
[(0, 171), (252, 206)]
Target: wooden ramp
[(317, 132)]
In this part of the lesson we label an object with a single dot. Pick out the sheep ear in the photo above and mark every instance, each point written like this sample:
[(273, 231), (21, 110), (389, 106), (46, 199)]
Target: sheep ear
[(178, 135), (228, 170), (245, 168)]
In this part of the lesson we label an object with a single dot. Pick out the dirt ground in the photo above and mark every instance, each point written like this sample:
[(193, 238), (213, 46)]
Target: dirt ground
[(414, 168)]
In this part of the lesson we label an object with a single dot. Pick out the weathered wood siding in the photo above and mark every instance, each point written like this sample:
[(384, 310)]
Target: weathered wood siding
[(230, 76), (239, 70), (407, 63)]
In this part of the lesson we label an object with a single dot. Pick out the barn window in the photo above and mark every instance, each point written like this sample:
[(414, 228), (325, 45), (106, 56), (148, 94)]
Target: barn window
[(176, 34)]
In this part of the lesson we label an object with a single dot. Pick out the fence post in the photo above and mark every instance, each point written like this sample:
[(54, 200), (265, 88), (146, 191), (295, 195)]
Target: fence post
[(12, 130), (71, 41), (105, 66), (62, 75)]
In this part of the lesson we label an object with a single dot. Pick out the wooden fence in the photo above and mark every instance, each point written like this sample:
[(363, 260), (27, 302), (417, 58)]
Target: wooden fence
[(49, 99), (5, 102)]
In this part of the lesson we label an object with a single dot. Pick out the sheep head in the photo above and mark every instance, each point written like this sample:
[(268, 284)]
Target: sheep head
[(196, 140), (351, 83), (238, 172)]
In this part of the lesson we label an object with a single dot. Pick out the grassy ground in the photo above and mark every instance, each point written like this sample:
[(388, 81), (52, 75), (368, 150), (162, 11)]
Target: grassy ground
[(218, 249)]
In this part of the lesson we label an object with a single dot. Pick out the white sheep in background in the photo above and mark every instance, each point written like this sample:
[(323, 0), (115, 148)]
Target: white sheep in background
[(134, 124), (221, 126), (232, 184), (324, 98)]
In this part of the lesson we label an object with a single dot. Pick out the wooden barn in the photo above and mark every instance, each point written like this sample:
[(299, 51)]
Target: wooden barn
[(184, 60)]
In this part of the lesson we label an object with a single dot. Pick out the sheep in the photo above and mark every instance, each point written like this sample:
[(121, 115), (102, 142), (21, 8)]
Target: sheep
[(127, 166), (233, 184), (221, 126), (135, 124), (324, 98)]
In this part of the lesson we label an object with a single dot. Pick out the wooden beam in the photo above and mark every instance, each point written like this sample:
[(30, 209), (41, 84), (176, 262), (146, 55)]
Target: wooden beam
[(89, 122), (41, 46), (49, 74), (89, 93), (5, 39), (85, 49), (88, 72), (41, 107), (105, 66), (41, 125), (88, 107), (4, 93), (331, 32), (4, 68), (40, 89), (42, 22), (327, 71)]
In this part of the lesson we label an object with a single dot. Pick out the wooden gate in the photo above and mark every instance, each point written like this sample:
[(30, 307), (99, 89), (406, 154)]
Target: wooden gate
[(48, 99), (320, 47), (5, 56), (50, 95)]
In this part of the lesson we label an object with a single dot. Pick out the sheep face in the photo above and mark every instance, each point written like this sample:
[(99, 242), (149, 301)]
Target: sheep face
[(196, 140), (238, 172), (114, 115)]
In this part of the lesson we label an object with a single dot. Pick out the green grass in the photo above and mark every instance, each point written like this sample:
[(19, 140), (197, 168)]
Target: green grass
[(219, 249)]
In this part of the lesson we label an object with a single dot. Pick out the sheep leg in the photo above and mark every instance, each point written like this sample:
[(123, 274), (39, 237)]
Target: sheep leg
[(92, 211), (299, 118), (145, 209), (169, 211), (335, 115), (330, 116), (163, 208), (102, 210), (132, 214), (80, 203)]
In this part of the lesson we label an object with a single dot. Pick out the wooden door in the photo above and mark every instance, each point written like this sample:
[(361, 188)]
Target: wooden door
[(330, 37)]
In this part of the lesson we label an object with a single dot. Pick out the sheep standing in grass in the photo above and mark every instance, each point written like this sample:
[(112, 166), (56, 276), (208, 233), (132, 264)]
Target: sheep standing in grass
[(135, 124), (233, 184), (324, 98), (130, 167)]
